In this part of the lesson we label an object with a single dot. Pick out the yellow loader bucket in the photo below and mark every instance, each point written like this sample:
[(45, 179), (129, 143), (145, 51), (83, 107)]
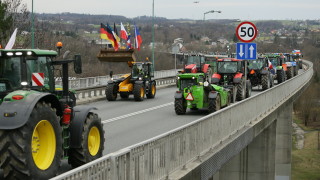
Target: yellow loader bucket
[(122, 55)]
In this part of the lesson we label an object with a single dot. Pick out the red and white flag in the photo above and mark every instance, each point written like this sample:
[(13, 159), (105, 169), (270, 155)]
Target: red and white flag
[(138, 39), (123, 33)]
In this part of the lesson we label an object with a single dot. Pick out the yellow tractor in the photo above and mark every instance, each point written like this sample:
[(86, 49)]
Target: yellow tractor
[(139, 82)]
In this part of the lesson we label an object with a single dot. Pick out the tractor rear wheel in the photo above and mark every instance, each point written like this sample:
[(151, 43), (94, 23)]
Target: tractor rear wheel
[(179, 106), (138, 92), (290, 72), (214, 104), (265, 81), (111, 92), (33, 151), (281, 76), (241, 93), (295, 72), (92, 142), (151, 90)]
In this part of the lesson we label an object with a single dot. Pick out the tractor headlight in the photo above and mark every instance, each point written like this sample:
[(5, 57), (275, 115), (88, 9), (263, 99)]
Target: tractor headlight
[(140, 78), (24, 83), (29, 53), (206, 84)]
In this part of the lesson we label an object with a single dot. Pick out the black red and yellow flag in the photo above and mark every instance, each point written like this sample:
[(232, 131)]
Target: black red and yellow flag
[(106, 33)]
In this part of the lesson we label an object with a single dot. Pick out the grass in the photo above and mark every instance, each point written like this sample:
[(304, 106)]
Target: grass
[(306, 162)]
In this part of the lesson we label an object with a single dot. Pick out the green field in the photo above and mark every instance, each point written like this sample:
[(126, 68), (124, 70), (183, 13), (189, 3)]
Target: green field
[(306, 162)]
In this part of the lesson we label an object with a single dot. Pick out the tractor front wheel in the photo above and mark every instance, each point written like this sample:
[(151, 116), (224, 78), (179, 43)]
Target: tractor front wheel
[(214, 104), (138, 92), (33, 151), (111, 92), (92, 141), (152, 90), (265, 82), (241, 93), (179, 106)]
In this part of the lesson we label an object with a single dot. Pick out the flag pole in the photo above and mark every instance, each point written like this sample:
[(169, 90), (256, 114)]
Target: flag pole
[(153, 34)]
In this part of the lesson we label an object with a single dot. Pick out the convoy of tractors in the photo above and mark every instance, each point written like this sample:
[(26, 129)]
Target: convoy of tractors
[(214, 84), (41, 123)]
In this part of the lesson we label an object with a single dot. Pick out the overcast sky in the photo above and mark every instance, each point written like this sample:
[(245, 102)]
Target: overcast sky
[(176, 9)]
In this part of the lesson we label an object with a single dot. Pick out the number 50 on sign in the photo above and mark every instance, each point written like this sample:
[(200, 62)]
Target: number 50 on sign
[(246, 31)]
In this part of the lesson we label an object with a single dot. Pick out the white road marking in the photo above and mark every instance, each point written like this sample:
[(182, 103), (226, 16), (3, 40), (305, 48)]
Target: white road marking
[(136, 113)]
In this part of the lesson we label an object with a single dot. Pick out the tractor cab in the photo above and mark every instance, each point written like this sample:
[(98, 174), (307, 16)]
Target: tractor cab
[(142, 70), (26, 69)]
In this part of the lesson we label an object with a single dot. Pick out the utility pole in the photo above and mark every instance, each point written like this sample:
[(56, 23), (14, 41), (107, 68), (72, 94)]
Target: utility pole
[(153, 35), (32, 28)]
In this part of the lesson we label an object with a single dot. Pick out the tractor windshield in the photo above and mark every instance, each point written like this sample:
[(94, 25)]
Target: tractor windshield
[(137, 70), (10, 74), (256, 64), (13, 69), (274, 61), (229, 66), (37, 67), (195, 60), (187, 83)]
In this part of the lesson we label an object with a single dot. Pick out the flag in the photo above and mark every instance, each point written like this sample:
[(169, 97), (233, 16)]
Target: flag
[(106, 33), (123, 33), (116, 32), (129, 42), (12, 40), (270, 64), (138, 39)]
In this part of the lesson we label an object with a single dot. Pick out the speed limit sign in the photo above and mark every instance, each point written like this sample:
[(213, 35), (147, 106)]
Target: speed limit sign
[(246, 31)]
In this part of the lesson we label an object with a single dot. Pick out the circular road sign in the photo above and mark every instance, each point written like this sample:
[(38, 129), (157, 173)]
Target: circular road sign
[(246, 31)]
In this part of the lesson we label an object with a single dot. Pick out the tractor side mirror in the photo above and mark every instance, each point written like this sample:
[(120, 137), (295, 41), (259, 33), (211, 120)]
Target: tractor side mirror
[(111, 74), (77, 64)]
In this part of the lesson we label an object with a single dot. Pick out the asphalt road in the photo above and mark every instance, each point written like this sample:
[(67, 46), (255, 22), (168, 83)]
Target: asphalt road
[(127, 122)]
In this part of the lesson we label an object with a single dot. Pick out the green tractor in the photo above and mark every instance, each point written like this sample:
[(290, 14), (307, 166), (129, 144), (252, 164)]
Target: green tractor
[(195, 92), (260, 73), (280, 69), (40, 124)]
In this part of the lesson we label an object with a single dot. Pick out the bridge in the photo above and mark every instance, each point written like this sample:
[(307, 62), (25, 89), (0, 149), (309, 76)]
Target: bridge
[(250, 139)]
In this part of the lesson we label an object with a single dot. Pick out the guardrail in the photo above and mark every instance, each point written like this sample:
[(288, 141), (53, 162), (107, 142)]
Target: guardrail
[(102, 80), (158, 157)]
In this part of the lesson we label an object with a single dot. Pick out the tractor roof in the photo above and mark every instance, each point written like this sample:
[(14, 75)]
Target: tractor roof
[(229, 59), (35, 52), (190, 75)]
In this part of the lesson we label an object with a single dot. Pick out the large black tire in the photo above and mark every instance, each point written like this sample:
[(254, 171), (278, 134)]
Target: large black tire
[(265, 81), (19, 157), (271, 80), (180, 106), (300, 64), (151, 90), (290, 72), (281, 76), (295, 72), (92, 142), (241, 93), (248, 88), (111, 92), (138, 92), (214, 104)]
